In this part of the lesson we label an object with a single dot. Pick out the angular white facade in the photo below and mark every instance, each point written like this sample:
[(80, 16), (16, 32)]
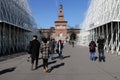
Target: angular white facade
[(100, 12), (103, 18)]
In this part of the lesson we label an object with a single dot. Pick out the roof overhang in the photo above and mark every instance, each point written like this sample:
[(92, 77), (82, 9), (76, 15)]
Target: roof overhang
[(14, 25), (103, 24)]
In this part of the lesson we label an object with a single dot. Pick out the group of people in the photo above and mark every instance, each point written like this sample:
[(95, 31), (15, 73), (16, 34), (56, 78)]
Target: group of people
[(92, 49), (46, 49)]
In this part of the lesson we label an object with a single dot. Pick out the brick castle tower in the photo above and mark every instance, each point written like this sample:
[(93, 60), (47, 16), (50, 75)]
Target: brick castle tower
[(61, 25)]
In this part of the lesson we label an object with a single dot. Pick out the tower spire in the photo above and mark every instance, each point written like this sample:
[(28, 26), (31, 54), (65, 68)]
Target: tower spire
[(61, 15), (61, 25)]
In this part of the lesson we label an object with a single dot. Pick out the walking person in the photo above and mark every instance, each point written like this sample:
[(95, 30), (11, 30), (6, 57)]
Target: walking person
[(92, 49), (45, 54), (34, 46), (73, 43), (52, 48), (59, 49), (101, 42)]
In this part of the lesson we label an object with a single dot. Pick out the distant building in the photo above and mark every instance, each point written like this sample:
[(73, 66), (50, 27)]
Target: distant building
[(60, 31), (61, 25)]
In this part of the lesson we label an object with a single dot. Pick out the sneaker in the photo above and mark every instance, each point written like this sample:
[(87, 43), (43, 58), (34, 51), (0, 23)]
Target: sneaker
[(99, 60), (103, 60), (52, 58), (36, 67)]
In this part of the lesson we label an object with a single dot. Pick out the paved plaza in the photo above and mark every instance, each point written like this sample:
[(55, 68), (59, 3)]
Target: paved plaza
[(75, 66)]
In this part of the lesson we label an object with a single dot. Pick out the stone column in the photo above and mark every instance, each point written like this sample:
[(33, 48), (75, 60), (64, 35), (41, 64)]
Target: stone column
[(107, 47), (118, 38), (111, 43), (0, 38)]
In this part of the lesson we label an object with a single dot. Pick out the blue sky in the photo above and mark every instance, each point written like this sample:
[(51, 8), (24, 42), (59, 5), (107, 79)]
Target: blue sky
[(45, 12)]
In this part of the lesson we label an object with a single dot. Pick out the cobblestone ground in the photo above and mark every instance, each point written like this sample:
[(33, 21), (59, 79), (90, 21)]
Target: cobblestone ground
[(75, 66)]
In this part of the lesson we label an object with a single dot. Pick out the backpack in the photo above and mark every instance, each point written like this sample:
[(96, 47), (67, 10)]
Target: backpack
[(92, 47)]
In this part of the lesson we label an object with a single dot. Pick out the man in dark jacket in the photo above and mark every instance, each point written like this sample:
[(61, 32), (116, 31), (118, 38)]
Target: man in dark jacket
[(34, 51), (101, 42)]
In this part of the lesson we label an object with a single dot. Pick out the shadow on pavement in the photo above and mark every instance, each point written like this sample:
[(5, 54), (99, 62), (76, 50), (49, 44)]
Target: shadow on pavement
[(63, 57), (7, 57), (66, 56), (48, 63), (7, 70), (56, 66)]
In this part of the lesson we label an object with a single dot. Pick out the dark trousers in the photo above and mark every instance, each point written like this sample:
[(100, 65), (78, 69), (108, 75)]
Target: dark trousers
[(45, 63), (101, 54), (35, 60), (60, 54), (72, 44)]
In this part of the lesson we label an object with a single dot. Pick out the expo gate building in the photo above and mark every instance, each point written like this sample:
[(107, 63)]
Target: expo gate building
[(103, 18), (16, 26)]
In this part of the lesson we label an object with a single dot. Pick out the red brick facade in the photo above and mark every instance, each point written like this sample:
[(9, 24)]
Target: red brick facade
[(60, 31), (61, 25)]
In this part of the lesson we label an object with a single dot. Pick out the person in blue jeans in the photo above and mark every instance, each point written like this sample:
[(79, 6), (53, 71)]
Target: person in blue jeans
[(60, 48), (92, 48), (101, 42)]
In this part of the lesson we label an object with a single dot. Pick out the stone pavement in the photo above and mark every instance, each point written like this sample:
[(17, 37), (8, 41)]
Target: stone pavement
[(75, 66)]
